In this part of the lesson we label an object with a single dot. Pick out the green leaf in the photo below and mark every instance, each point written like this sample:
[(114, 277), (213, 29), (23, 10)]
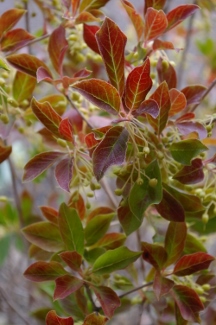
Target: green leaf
[(141, 196), (44, 235), (5, 242), (184, 151), (193, 244), (115, 259), (97, 227), (23, 86), (175, 241), (100, 93), (91, 4), (111, 150), (44, 271), (111, 43), (3, 64), (71, 229)]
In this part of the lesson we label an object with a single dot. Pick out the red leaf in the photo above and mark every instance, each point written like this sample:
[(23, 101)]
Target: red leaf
[(156, 4), (14, 39), (9, 19), (155, 23), (162, 45), (161, 285), (5, 152), (112, 240), (75, 5), (47, 115), (111, 151), (53, 319), (27, 63), (72, 259), (23, 86), (76, 201), (65, 285), (148, 106), (66, 130), (50, 214), (191, 174), (178, 101), (192, 263), (188, 127), (85, 17), (170, 209), (175, 241), (135, 18), (99, 211), (91, 142), (154, 254), (194, 93), (100, 93), (161, 96), (44, 271), (166, 72), (138, 85), (39, 164), (57, 47), (108, 299), (89, 32), (64, 173), (43, 75), (180, 13), (111, 43), (188, 302)]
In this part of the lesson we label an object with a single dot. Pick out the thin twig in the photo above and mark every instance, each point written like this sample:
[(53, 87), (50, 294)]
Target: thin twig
[(13, 306), (36, 40), (82, 116), (139, 244), (15, 190), (181, 67), (27, 23), (204, 95), (136, 289)]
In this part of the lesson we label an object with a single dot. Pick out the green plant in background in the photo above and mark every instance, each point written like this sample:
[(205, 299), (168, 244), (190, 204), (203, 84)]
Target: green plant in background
[(127, 153)]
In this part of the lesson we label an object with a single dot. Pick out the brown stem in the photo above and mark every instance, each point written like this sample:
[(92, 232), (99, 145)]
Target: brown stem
[(204, 95), (139, 245), (36, 40), (136, 289)]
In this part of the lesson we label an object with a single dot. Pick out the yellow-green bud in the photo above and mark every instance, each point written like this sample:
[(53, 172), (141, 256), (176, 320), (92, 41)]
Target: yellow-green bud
[(139, 181), (118, 191), (206, 287), (4, 118), (153, 182), (12, 102), (205, 218), (62, 142), (146, 150)]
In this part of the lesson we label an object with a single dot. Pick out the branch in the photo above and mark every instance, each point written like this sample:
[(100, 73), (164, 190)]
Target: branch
[(89, 294), (204, 95), (82, 116), (136, 289), (36, 40), (184, 53)]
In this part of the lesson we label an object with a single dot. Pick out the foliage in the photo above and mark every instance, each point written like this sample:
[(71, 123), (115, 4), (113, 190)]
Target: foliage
[(111, 115)]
